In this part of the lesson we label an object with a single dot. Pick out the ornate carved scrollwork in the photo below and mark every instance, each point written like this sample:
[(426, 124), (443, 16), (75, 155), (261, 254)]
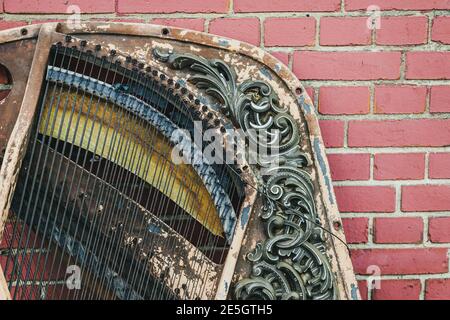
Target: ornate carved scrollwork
[(291, 263)]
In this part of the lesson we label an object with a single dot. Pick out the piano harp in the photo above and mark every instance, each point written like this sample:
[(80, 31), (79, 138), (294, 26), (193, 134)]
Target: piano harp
[(106, 192)]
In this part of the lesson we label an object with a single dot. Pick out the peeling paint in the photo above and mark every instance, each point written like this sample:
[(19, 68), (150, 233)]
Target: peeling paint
[(323, 167), (245, 216)]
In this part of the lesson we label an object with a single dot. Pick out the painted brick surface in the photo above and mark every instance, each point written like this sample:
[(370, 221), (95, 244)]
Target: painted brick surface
[(383, 97), (439, 166), (400, 99), (365, 198), (437, 289), (440, 99), (397, 290), (289, 32), (399, 166), (344, 100), (344, 31), (440, 33), (349, 166), (438, 229), (403, 31), (398, 230), (401, 261), (356, 229)]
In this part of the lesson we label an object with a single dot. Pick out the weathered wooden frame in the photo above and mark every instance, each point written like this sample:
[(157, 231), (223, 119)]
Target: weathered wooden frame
[(289, 85)]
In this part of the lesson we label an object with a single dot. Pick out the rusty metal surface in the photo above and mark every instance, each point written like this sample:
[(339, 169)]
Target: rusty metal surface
[(249, 62)]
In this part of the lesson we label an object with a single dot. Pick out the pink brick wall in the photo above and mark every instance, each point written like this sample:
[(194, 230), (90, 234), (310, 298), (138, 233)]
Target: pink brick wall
[(383, 97)]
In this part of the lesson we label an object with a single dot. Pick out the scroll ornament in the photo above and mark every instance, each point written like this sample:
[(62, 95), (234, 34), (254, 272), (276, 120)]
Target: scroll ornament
[(291, 263)]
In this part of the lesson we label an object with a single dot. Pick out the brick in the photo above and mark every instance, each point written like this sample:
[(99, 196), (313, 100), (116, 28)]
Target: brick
[(11, 24), (282, 56), (332, 133), (428, 65), (286, 5), (438, 230), (399, 166), (172, 6), (289, 32), (244, 29), (440, 99), (344, 31), (313, 65), (59, 6), (437, 289), (398, 230), (356, 229), (397, 290), (194, 24), (365, 198), (439, 165), (401, 261), (349, 166), (1, 6), (426, 198), (440, 31), (352, 5), (402, 31), (399, 133), (344, 100), (400, 99)]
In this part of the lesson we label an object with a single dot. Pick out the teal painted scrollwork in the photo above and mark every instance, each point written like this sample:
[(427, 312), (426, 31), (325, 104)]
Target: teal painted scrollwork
[(291, 263)]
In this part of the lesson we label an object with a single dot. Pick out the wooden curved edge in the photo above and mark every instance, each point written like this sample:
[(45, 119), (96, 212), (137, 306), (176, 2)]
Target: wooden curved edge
[(341, 265)]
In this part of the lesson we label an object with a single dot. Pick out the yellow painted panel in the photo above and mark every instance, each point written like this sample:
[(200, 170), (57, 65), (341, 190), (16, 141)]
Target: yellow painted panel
[(133, 145)]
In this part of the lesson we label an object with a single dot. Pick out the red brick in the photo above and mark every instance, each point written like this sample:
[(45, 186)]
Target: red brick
[(244, 29), (439, 166), (171, 6), (344, 31), (440, 99), (398, 4), (438, 230), (365, 198), (402, 31), (344, 100), (356, 229), (397, 290), (400, 99), (401, 261), (332, 133), (1, 5), (349, 166), (399, 166), (11, 24), (285, 32), (194, 24), (440, 31), (437, 289), (398, 230), (399, 133), (59, 6), (282, 56), (428, 65), (346, 65), (286, 5), (426, 198)]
